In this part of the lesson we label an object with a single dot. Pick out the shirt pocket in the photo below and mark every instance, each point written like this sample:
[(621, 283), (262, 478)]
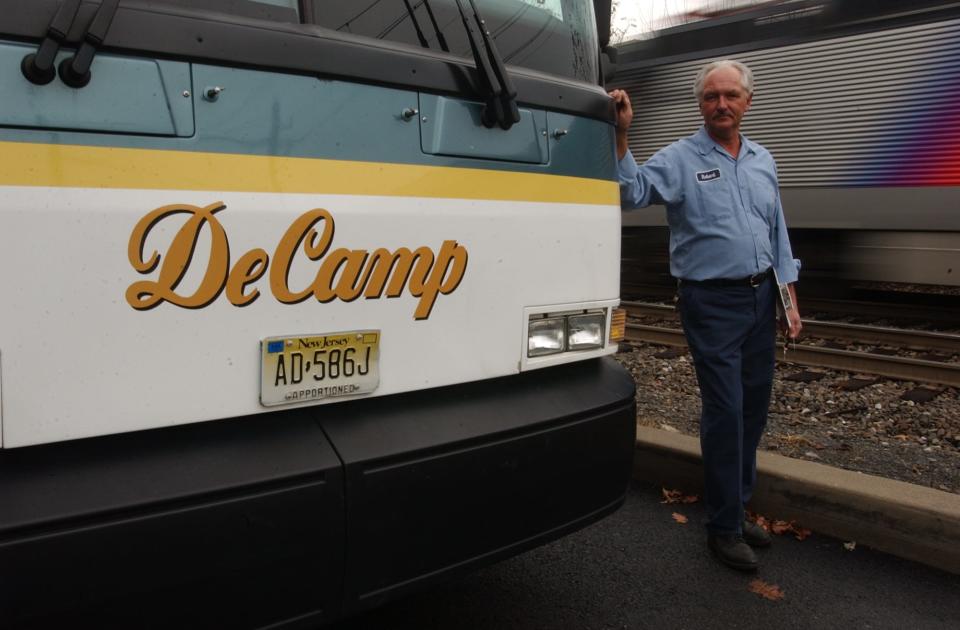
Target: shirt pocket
[(715, 203), (764, 199)]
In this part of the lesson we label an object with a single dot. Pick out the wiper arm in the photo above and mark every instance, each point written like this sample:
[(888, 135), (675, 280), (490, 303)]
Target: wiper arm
[(501, 104), (508, 95), (38, 67), (75, 70)]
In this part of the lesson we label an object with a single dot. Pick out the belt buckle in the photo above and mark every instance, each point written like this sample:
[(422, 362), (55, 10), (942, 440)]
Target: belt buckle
[(756, 279)]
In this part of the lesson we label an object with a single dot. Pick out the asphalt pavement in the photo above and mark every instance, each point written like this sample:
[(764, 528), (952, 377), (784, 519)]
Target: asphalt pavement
[(906, 520), (640, 568)]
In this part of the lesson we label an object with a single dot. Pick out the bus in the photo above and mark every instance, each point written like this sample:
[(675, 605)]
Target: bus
[(304, 304)]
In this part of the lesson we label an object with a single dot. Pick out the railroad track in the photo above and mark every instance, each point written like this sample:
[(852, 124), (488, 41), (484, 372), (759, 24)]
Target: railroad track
[(902, 368), (891, 310)]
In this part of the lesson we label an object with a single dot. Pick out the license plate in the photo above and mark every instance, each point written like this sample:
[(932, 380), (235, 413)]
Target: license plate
[(303, 368)]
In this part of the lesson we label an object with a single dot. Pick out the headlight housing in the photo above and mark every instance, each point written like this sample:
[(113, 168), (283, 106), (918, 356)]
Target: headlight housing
[(546, 336), (549, 333), (586, 331)]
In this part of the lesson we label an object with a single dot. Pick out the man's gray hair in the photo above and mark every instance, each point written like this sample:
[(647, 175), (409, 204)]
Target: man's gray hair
[(746, 75)]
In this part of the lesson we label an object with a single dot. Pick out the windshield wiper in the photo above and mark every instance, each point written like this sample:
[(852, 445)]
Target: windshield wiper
[(412, 13), (38, 67), (416, 24), (436, 28), (497, 88), (75, 70)]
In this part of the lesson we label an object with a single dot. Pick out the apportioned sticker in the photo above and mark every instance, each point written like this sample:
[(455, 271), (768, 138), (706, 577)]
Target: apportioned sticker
[(304, 368)]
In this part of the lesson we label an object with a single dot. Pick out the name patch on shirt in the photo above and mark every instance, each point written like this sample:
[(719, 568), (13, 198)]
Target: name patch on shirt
[(708, 176)]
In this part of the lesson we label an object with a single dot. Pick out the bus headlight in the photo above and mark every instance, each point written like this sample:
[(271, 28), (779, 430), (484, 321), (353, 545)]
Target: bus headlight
[(585, 331), (553, 333), (546, 336), (563, 333)]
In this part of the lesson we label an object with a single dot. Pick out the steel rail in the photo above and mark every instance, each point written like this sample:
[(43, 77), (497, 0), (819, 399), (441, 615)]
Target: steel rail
[(885, 310), (880, 335), (900, 368)]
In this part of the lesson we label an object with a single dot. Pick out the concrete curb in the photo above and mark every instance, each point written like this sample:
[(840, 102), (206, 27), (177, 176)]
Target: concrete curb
[(902, 519)]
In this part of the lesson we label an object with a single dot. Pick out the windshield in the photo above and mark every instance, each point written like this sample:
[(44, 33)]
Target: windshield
[(553, 36)]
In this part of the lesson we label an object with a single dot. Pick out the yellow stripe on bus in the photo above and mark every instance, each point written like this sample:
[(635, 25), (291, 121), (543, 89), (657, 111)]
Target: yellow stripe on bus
[(55, 165)]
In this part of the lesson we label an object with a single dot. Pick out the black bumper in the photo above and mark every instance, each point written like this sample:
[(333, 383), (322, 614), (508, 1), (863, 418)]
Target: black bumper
[(312, 513)]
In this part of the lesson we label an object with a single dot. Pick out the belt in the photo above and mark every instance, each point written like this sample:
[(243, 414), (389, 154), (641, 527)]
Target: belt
[(750, 281)]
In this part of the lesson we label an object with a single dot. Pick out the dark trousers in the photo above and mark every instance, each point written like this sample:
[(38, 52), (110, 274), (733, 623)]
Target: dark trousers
[(731, 331)]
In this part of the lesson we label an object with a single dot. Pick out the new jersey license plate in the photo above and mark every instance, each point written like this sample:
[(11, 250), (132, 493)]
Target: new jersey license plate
[(304, 368)]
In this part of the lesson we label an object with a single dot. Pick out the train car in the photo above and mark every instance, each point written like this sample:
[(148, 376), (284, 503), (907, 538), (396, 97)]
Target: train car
[(857, 103), (304, 304)]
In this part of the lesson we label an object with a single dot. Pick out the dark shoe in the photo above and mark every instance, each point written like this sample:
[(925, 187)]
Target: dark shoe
[(731, 550), (754, 535)]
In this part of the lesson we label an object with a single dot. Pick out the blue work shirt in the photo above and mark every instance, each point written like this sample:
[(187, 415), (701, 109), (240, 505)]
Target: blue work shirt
[(725, 216)]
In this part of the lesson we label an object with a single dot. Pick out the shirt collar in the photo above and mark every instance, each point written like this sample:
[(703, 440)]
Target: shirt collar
[(706, 144)]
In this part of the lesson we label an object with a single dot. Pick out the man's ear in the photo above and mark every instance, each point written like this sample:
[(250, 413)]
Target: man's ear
[(749, 103)]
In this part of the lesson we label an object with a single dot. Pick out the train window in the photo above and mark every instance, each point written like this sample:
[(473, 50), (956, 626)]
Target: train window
[(553, 36), (272, 10)]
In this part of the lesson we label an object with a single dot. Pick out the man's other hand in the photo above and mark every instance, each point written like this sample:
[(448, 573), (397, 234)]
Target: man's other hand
[(791, 324)]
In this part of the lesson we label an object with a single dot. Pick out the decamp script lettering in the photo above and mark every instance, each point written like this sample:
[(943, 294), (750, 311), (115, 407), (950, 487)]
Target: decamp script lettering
[(342, 274)]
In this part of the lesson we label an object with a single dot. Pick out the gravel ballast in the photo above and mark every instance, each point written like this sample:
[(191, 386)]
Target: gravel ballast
[(893, 429)]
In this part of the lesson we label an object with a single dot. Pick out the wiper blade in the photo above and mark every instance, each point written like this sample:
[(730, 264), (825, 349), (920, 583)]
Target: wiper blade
[(411, 11), (436, 28), (501, 104), (416, 24)]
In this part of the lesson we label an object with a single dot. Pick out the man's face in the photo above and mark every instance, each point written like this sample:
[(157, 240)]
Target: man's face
[(724, 102)]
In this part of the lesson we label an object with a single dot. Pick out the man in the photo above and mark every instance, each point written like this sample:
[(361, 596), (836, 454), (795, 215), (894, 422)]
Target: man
[(727, 235)]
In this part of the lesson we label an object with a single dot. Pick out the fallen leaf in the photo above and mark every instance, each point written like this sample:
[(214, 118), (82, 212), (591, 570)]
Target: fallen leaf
[(901, 437), (670, 496), (759, 519), (680, 518), (769, 591), (780, 527), (850, 546), (783, 527), (677, 496)]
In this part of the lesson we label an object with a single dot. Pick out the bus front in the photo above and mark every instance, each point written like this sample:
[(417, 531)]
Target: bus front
[(306, 304)]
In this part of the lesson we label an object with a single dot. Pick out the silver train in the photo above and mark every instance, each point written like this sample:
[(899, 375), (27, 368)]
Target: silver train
[(857, 101)]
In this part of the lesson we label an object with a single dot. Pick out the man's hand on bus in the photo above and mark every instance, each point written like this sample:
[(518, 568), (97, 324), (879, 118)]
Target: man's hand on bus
[(624, 116)]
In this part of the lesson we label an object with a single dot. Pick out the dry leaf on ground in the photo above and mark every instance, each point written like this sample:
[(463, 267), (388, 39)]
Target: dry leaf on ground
[(800, 532), (759, 519), (779, 527), (783, 527), (680, 518), (768, 591), (677, 496)]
